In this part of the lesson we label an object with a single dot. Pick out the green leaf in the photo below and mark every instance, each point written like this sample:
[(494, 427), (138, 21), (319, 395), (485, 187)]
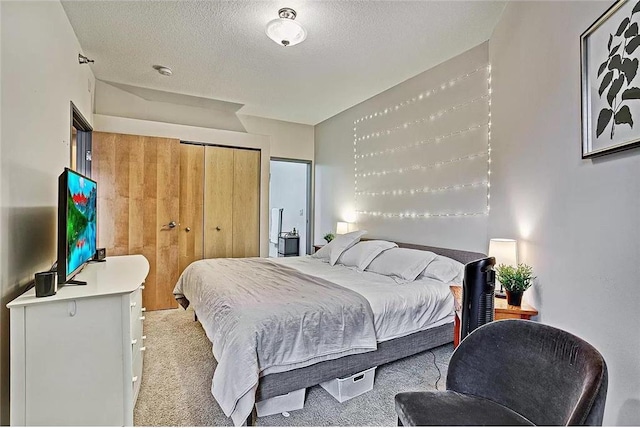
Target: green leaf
[(624, 116), (632, 45), (615, 63), (622, 27), (631, 94), (629, 68), (614, 50), (636, 8), (605, 82), (614, 89), (603, 120), (632, 30), (603, 67)]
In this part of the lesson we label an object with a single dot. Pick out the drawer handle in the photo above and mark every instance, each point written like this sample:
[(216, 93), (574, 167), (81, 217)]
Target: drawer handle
[(135, 379), (134, 304), (142, 349), (134, 341), (142, 318), (143, 309), (144, 337)]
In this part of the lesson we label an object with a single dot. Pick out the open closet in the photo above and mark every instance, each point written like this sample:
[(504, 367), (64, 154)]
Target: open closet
[(174, 203)]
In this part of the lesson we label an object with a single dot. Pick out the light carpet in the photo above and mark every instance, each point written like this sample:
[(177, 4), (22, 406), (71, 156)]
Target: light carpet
[(179, 365)]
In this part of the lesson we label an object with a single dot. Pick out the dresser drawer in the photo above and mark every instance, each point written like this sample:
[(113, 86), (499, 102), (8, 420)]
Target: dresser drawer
[(137, 376)]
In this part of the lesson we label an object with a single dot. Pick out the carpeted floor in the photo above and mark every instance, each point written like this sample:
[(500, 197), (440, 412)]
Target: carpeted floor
[(179, 364)]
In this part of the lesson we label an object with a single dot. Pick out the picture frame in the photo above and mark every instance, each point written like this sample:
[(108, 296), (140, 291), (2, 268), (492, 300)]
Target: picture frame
[(610, 81)]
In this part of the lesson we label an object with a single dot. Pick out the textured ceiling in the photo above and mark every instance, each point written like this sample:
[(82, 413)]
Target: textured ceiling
[(219, 50)]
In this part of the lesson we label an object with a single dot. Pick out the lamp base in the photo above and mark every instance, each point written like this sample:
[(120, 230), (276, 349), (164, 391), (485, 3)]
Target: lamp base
[(500, 295)]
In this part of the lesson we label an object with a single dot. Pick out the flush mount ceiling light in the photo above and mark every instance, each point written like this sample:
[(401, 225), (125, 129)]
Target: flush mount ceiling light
[(165, 71), (284, 30)]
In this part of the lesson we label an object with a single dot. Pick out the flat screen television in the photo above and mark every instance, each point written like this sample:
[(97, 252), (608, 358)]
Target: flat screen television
[(77, 197)]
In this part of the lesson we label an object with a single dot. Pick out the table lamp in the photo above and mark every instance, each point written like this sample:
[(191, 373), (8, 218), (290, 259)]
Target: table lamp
[(505, 252), (342, 227)]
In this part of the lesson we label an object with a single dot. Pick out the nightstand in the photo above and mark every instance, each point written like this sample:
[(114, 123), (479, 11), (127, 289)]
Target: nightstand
[(316, 247), (503, 311)]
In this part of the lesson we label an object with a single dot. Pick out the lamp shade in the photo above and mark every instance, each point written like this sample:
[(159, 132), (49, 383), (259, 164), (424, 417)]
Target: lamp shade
[(505, 251), (286, 32), (342, 227)]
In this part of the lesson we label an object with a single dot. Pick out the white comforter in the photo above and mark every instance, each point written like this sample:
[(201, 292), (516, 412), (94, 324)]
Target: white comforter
[(398, 309), (264, 317)]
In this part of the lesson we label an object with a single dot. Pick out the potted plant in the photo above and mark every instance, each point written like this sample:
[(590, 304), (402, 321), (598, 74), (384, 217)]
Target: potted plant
[(515, 281), (329, 237)]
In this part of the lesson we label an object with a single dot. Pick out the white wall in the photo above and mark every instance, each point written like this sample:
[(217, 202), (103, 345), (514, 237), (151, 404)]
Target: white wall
[(288, 190), (40, 76), (288, 140), (577, 220), (335, 182), (113, 101), (202, 135)]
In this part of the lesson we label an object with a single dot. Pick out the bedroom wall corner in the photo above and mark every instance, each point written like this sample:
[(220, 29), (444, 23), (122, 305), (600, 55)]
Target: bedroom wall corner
[(335, 183), (40, 76), (576, 220)]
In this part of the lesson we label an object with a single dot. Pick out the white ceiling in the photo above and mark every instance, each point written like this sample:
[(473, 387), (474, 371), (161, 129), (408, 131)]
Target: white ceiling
[(219, 50)]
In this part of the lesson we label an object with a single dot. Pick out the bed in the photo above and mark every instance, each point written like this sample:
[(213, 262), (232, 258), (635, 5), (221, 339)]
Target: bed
[(305, 322)]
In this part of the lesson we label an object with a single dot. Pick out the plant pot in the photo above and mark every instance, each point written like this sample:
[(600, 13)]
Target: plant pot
[(514, 298)]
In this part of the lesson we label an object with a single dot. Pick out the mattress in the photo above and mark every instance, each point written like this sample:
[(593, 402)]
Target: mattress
[(398, 309)]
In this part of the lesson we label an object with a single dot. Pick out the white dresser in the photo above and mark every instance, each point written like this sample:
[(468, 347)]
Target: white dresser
[(76, 357)]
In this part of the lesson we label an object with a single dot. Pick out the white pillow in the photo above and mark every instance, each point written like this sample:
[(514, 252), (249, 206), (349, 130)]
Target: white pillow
[(341, 243), (361, 254), (323, 253), (403, 263), (444, 269)]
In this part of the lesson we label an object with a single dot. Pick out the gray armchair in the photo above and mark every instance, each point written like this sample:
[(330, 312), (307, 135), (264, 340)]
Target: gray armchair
[(514, 372)]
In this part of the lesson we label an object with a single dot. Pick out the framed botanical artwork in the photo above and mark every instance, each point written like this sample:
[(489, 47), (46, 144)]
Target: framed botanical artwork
[(610, 81)]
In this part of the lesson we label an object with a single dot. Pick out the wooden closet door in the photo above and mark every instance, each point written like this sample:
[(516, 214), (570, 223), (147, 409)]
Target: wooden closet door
[(246, 203), (218, 202), (138, 193), (191, 204)]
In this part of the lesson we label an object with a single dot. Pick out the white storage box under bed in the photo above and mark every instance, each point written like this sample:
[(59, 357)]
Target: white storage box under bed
[(282, 403), (343, 389)]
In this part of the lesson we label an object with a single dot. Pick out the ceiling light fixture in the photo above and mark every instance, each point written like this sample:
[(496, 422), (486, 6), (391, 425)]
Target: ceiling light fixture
[(165, 71), (284, 30)]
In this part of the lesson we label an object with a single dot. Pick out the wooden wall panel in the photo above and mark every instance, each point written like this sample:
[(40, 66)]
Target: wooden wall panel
[(218, 200), (138, 191), (246, 203), (191, 204)]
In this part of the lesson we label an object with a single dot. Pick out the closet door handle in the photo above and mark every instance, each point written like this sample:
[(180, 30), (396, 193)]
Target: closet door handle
[(218, 228)]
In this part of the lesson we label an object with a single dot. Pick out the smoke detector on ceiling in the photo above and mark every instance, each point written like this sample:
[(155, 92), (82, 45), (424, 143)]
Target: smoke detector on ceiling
[(165, 71)]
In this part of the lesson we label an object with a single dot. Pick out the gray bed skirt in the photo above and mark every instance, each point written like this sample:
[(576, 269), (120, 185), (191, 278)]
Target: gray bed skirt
[(276, 384)]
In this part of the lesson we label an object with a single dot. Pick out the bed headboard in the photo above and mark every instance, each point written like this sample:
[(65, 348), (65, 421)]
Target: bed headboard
[(460, 255)]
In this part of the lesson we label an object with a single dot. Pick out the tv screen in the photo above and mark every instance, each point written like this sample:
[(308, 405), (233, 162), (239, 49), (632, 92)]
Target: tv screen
[(77, 196)]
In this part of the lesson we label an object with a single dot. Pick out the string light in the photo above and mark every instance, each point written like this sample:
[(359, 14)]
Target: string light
[(421, 96), (421, 121), (436, 140), (426, 189), (489, 142), (413, 214), (419, 167)]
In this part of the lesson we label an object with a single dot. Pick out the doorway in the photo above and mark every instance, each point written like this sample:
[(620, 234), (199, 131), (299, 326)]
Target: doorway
[(289, 203)]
